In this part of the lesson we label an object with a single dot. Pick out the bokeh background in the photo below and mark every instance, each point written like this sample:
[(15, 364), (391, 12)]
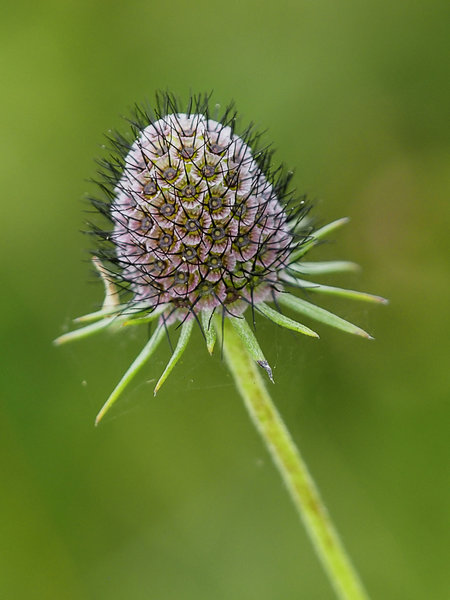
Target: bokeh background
[(175, 496)]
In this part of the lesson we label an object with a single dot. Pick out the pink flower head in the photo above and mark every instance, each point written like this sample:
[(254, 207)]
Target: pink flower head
[(200, 220)]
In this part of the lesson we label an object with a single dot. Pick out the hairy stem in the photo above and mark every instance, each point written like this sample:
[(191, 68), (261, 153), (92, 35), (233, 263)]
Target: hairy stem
[(292, 467)]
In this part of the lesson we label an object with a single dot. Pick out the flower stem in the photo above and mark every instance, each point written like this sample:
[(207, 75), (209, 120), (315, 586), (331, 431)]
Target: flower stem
[(292, 467)]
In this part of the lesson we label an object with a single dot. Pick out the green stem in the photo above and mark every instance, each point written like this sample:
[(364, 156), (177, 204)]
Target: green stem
[(292, 468)]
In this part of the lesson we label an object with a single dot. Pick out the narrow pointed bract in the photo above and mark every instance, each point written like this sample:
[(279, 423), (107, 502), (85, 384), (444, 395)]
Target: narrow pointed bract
[(83, 332), (333, 291), (133, 370), (100, 314), (323, 268), (251, 343), (148, 318), (320, 314), (183, 340), (209, 329), (129, 310), (284, 321)]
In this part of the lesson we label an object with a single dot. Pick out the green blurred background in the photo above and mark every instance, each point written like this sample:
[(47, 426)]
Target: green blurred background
[(175, 496)]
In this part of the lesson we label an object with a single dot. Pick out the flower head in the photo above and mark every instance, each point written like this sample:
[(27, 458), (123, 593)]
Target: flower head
[(200, 220), (202, 225)]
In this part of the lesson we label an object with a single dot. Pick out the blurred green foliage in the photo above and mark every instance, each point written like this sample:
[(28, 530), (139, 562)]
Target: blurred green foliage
[(175, 497)]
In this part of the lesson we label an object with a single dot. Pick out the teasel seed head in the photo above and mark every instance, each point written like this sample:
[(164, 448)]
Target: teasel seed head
[(202, 226), (200, 218)]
